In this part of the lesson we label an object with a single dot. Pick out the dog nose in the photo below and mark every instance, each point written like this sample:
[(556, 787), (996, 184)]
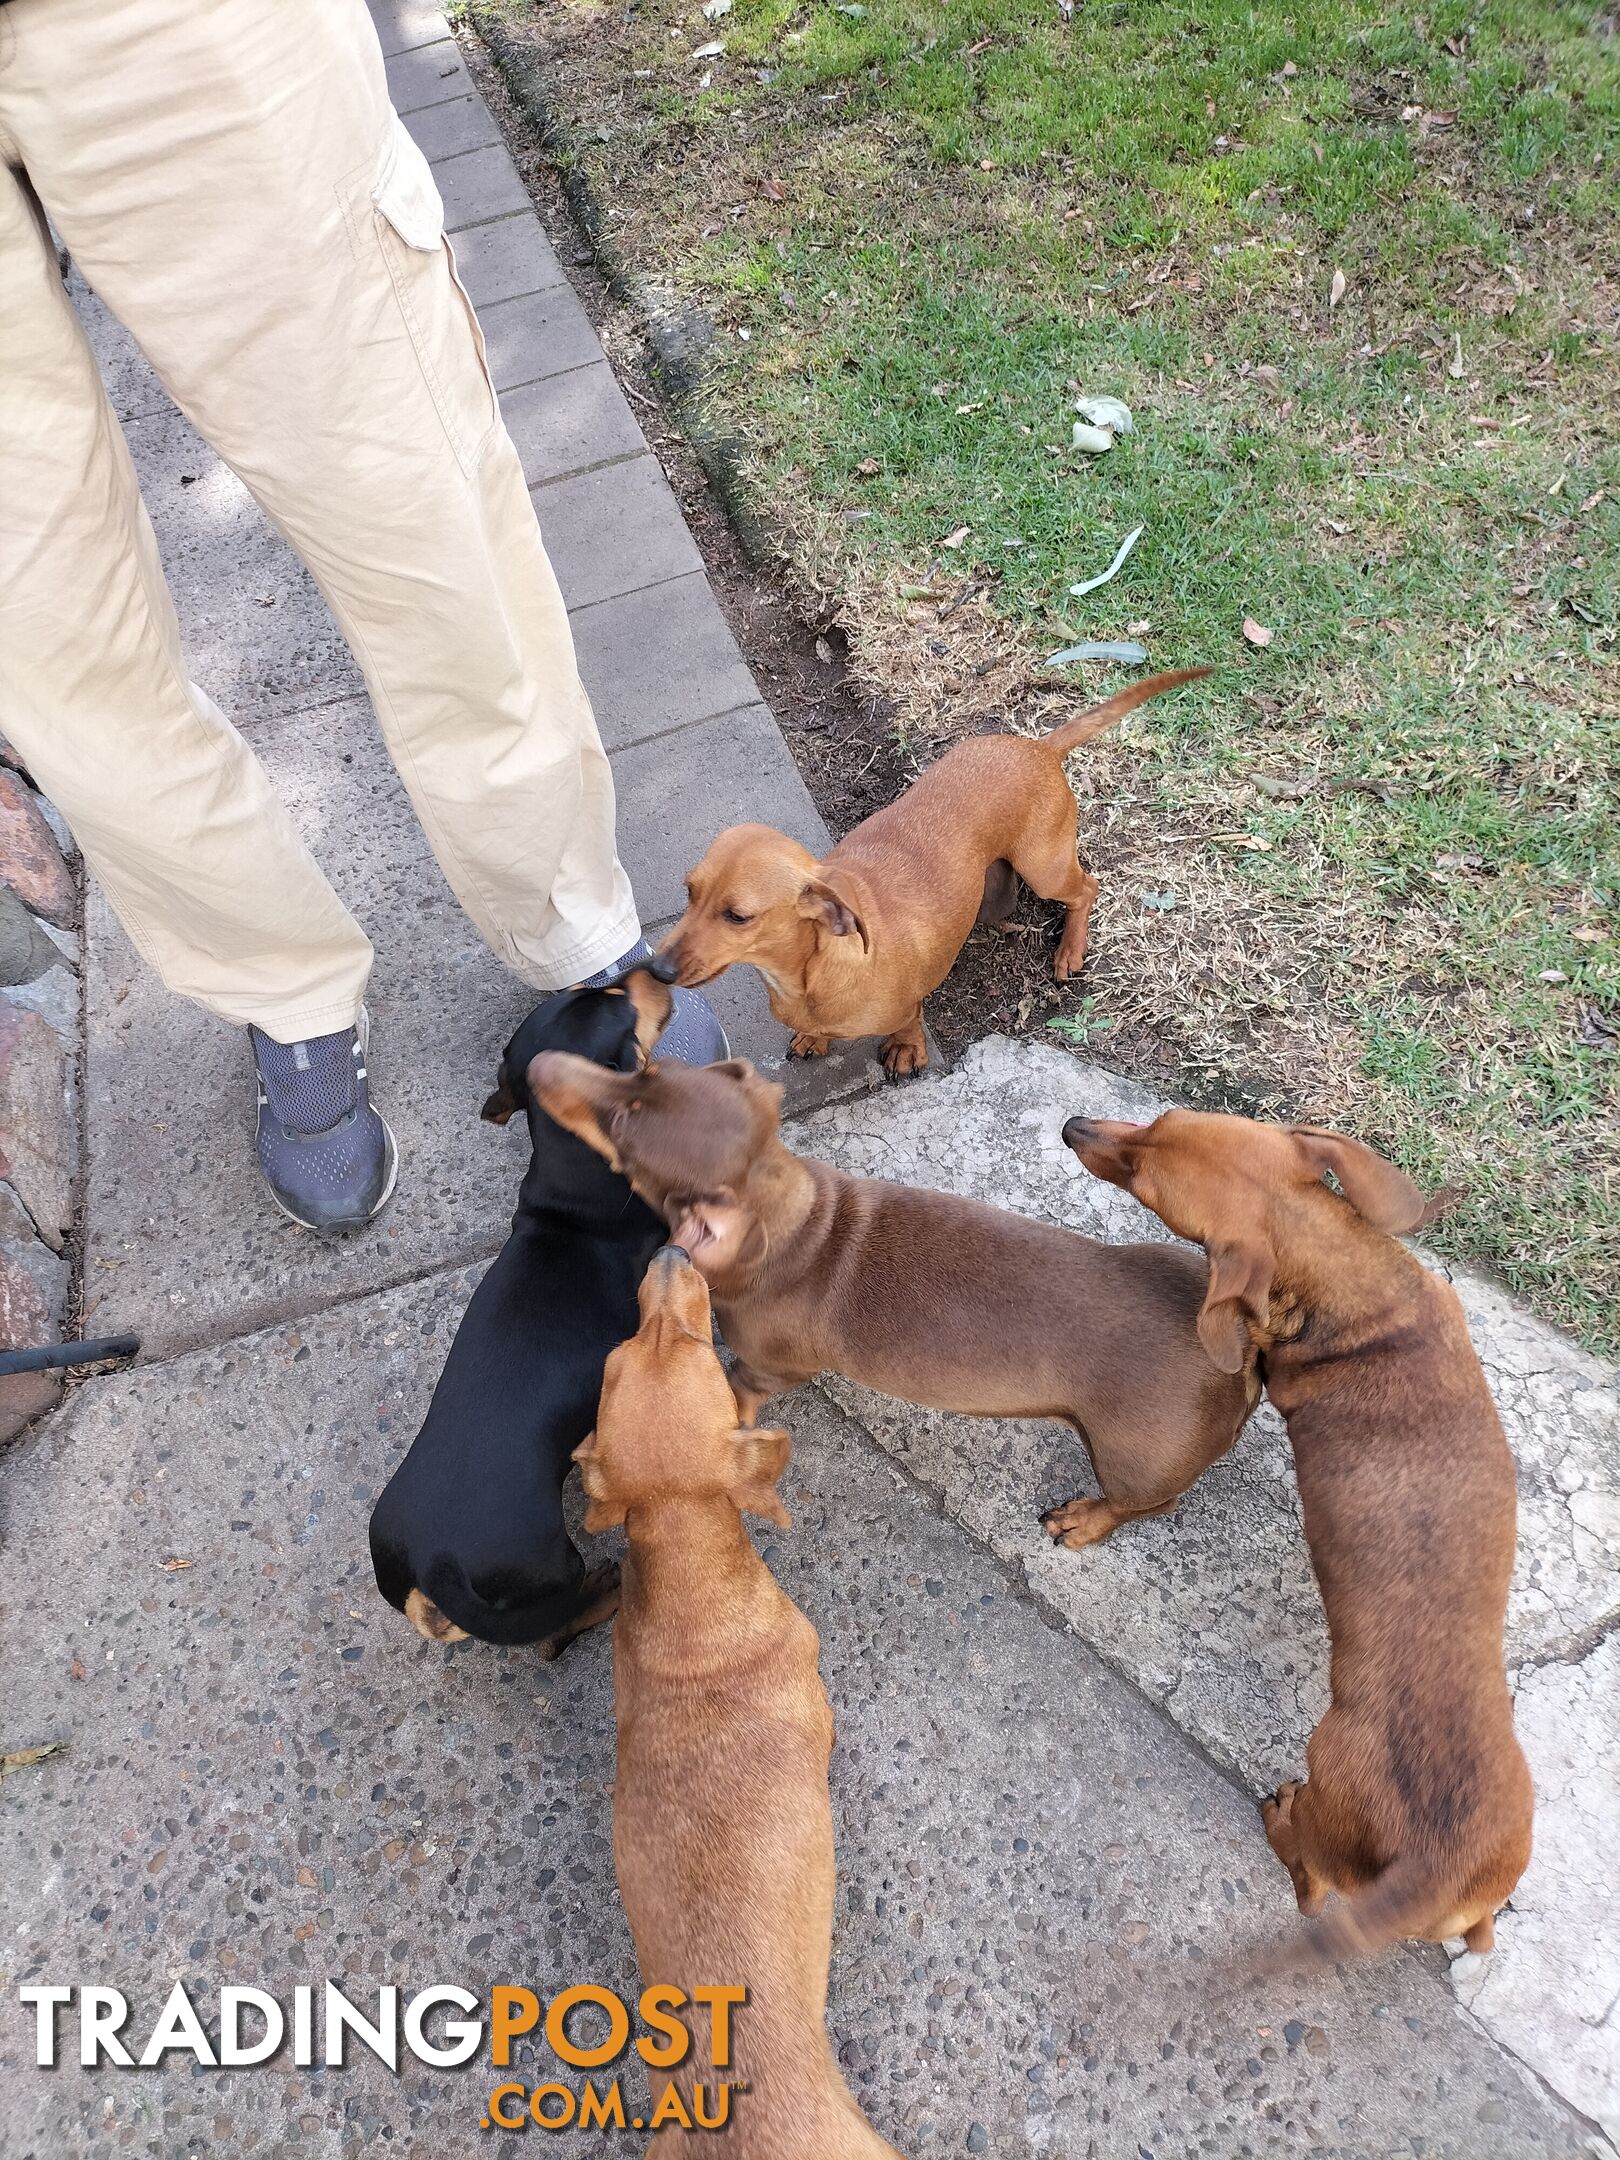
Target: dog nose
[(1078, 1129), (675, 1252), (664, 967)]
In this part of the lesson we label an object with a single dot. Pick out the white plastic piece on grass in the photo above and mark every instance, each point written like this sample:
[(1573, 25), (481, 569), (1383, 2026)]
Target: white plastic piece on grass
[(1090, 584), (1107, 412), (711, 51), (1092, 440), (714, 9)]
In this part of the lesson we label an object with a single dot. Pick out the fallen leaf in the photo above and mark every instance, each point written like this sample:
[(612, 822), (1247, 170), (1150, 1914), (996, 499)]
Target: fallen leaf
[(1256, 633), (1459, 862), (1289, 68), (955, 539), (1254, 842), (174, 1564), (1590, 934), (1160, 902), (711, 51), (1090, 584), (824, 652), (1336, 290), (1316, 152), (1124, 650), (1552, 975), (1596, 1032), (76, 1669), (868, 466), (773, 190), (714, 9), (25, 1758)]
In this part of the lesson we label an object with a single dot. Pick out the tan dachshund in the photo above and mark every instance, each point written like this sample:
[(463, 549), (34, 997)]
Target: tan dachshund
[(722, 1828), (851, 945), (1418, 1805), (925, 1296)]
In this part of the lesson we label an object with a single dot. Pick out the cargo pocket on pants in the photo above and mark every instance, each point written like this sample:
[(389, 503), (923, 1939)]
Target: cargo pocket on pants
[(438, 315)]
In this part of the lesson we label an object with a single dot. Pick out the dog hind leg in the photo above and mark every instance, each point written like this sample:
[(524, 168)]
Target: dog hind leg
[(1047, 862)]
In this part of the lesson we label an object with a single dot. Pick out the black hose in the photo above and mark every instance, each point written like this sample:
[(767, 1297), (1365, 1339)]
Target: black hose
[(50, 1356)]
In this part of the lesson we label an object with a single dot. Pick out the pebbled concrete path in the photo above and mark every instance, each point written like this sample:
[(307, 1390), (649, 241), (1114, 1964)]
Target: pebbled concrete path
[(1049, 1863)]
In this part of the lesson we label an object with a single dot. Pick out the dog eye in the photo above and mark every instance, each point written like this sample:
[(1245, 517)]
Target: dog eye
[(735, 915)]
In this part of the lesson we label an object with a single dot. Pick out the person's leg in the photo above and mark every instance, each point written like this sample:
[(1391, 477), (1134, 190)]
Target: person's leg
[(232, 181), (171, 808)]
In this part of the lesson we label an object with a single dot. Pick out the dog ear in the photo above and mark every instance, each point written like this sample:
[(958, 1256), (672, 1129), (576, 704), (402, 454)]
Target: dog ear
[(1238, 1299), (761, 1455), (654, 1002), (567, 1089), (1379, 1193), (501, 1104), (602, 1512), (821, 900)]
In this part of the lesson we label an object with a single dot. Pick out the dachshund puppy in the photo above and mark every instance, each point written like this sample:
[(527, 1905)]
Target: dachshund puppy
[(468, 1537), (851, 945), (722, 1828), (925, 1296), (1417, 1809)]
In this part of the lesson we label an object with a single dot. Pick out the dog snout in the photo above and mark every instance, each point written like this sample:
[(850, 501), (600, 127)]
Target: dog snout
[(672, 1255), (1078, 1130), (665, 965)]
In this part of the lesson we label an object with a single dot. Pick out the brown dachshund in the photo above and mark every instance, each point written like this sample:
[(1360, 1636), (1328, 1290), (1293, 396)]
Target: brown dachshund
[(1418, 1805), (851, 945), (934, 1299), (722, 1828)]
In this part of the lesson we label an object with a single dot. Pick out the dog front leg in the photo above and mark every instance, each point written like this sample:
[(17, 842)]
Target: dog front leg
[(598, 1601), (754, 1390), (1079, 1523), (906, 1050)]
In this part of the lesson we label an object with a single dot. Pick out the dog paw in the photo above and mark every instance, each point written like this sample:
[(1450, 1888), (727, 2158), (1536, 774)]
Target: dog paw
[(903, 1060), (1079, 1523), (803, 1046), (1071, 958)]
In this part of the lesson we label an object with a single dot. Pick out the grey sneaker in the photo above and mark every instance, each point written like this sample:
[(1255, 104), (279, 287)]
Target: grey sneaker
[(327, 1157), (694, 1035)]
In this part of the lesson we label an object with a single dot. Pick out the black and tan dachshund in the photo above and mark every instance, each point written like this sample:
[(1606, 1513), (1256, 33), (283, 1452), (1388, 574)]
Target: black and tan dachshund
[(468, 1538)]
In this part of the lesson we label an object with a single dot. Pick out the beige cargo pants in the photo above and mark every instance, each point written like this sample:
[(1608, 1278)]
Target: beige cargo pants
[(230, 177)]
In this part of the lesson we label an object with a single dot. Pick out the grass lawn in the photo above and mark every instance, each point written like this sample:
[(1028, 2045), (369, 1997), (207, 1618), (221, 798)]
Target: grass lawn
[(1356, 273)]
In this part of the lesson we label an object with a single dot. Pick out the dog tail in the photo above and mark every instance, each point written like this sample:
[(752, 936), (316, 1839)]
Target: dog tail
[(1101, 717), (1403, 1901)]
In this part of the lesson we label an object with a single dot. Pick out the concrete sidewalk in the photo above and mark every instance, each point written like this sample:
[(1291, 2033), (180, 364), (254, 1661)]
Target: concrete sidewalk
[(1049, 1860)]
